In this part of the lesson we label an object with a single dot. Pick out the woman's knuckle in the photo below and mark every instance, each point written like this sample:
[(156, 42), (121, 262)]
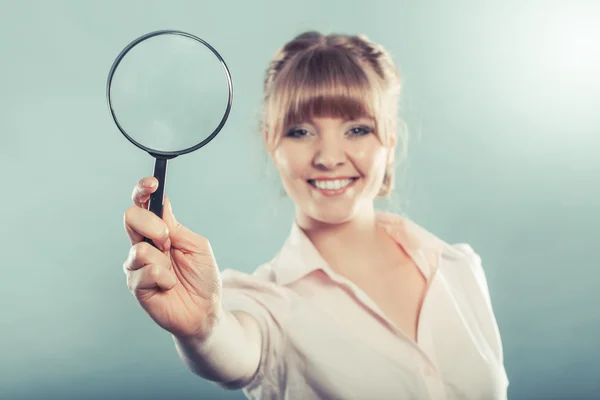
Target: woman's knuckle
[(128, 215), (140, 252), (154, 272)]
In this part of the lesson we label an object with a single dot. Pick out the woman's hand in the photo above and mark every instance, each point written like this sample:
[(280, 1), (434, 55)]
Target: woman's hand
[(178, 282)]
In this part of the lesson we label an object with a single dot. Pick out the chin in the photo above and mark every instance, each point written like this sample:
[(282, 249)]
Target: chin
[(331, 215), (331, 210)]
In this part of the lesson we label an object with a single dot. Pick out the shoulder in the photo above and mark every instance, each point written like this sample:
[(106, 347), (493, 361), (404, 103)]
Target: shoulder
[(464, 250), (462, 262), (408, 232), (464, 254)]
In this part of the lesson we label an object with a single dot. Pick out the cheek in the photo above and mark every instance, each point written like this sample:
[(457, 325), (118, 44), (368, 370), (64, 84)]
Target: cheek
[(290, 163), (369, 159), (281, 161)]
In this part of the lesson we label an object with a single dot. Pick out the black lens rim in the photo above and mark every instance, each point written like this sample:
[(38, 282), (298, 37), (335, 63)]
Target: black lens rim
[(160, 153)]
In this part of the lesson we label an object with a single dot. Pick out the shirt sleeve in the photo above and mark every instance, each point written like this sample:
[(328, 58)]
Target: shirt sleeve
[(267, 303), (484, 311)]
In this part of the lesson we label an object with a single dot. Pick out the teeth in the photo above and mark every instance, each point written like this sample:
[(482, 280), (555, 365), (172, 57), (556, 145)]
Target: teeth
[(332, 185)]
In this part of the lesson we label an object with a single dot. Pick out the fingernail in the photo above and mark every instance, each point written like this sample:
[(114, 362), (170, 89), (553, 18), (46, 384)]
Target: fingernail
[(149, 183)]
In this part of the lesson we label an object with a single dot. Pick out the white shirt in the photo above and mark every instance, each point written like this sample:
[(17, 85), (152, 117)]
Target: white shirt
[(324, 338)]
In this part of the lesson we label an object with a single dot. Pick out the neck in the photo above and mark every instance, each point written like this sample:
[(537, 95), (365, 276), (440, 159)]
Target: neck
[(363, 222), (334, 240)]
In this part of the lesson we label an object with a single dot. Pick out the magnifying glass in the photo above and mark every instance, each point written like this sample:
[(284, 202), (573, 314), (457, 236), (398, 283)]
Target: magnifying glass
[(170, 93)]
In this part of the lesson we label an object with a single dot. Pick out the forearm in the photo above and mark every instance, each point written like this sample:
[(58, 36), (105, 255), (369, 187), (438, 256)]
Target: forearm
[(230, 354)]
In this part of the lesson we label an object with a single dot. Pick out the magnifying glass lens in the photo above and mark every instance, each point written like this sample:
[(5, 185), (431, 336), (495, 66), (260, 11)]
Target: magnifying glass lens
[(169, 93)]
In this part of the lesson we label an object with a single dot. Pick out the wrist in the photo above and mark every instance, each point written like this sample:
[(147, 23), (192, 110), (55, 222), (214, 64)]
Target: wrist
[(204, 337)]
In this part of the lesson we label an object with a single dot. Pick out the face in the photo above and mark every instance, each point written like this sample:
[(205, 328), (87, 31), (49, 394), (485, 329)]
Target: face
[(332, 168)]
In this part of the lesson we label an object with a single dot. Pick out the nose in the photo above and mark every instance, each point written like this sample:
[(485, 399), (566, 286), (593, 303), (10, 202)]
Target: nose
[(329, 154)]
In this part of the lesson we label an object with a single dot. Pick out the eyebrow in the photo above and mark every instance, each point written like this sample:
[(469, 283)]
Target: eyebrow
[(311, 122), (345, 119), (361, 119)]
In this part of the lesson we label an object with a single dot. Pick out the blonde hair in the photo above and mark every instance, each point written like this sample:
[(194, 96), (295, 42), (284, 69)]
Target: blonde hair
[(336, 75)]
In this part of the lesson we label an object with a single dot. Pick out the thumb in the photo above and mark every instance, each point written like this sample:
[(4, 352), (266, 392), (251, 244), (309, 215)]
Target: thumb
[(168, 216), (180, 236)]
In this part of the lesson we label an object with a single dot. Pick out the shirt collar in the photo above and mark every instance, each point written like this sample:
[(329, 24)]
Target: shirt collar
[(299, 256)]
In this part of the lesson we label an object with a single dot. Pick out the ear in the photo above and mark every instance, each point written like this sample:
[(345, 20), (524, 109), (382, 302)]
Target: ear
[(266, 142), (268, 146), (392, 149), (392, 144)]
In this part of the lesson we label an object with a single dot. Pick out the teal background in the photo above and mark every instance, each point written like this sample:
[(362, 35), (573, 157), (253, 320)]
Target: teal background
[(501, 99)]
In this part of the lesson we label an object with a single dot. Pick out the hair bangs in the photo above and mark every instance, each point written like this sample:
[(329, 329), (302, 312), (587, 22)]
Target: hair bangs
[(324, 82)]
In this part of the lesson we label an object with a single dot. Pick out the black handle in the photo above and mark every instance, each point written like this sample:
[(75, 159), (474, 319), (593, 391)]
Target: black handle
[(157, 198)]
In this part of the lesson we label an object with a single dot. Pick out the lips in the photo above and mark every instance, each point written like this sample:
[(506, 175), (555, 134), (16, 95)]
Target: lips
[(332, 186)]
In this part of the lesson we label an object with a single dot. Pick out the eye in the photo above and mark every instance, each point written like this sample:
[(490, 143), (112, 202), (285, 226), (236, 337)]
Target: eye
[(360, 131), (296, 133)]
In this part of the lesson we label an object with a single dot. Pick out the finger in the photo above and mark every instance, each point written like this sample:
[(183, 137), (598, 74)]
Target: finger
[(134, 237), (150, 277), (143, 254), (142, 191), (140, 223)]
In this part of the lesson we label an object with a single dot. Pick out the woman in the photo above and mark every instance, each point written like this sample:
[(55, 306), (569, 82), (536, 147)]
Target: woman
[(358, 304)]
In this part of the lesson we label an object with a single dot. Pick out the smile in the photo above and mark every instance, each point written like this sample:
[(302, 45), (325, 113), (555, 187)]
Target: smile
[(332, 187)]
